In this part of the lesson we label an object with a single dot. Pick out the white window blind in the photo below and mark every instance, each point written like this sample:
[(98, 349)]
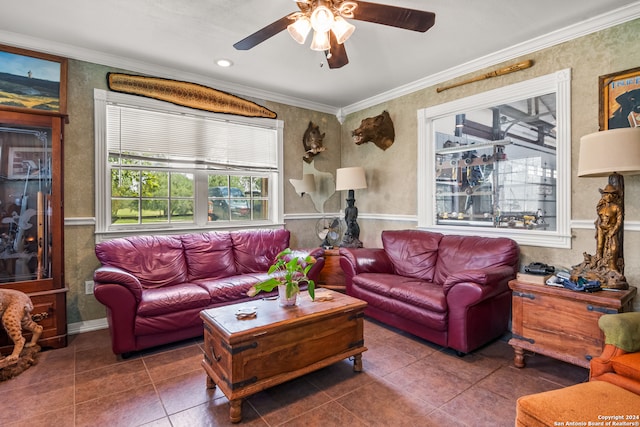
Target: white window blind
[(161, 135), (135, 134)]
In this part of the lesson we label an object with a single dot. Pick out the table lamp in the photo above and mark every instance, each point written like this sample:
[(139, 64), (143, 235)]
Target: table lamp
[(611, 153), (352, 178)]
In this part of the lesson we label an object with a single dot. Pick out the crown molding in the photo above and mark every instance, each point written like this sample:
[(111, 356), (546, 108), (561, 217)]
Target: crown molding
[(133, 65), (591, 25)]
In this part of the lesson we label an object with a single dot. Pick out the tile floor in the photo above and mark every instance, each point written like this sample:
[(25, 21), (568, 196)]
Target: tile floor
[(405, 382)]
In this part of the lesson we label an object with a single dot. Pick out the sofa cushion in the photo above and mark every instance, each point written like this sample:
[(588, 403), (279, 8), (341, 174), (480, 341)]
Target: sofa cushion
[(231, 289), (255, 250), (458, 253), (420, 293), (627, 365), (431, 319), (412, 291), (169, 299), (412, 252), (379, 283), (155, 260), (209, 255)]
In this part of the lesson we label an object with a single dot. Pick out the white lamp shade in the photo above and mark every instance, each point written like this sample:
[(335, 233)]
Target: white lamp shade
[(300, 29), (342, 29), (320, 41), (615, 150), (350, 178)]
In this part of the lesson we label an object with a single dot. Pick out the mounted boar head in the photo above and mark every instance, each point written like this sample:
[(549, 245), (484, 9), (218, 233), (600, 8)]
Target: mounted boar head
[(312, 142)]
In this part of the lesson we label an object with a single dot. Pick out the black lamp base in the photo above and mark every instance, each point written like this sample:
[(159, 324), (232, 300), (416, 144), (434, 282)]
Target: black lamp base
[(351, 237)]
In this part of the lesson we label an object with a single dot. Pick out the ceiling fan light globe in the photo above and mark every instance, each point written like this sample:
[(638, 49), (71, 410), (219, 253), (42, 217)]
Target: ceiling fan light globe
[(342, 29), (320, 41), (300, 29), (322, 19)]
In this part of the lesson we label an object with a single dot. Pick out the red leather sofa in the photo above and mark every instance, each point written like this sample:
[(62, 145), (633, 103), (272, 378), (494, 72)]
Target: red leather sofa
[(154, 287), (450, 290)]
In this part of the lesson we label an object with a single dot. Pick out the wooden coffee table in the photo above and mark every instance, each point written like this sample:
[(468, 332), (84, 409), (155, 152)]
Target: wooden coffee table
[(245, 356)]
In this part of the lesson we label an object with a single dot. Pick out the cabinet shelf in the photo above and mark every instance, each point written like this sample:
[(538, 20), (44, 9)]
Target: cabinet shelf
[(476, 182)]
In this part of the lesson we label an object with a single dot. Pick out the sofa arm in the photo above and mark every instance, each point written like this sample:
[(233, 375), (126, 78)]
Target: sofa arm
[(121, 315), (318, 254), (622, 330), (364, 260), (601, 365), (496, 277), (117, 276)]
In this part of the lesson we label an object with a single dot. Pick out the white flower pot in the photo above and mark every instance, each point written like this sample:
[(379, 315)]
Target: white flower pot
[(284, 301)]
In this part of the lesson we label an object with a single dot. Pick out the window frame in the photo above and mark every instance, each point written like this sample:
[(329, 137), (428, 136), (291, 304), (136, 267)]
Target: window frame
[(559, 83), (103, 227)]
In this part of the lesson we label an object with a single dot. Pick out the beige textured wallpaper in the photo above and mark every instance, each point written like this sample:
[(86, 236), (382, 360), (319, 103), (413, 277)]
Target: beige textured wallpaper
[(391, 174)]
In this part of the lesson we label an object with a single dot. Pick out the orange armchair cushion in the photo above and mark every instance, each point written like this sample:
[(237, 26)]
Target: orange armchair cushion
[(627, 365), (584, 402)]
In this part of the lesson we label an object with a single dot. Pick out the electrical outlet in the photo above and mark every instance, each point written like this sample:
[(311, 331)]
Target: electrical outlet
[(88, 287)]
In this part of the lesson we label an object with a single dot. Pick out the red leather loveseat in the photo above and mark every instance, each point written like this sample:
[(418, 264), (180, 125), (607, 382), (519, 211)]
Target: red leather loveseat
[(450, 290), (154, 287)]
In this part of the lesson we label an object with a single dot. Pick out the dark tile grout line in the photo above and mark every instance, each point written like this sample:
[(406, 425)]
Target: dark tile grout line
[(555, 381)]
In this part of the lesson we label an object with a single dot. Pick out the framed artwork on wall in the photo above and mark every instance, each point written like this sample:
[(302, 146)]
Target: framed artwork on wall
[(620, 99), (32, 81)]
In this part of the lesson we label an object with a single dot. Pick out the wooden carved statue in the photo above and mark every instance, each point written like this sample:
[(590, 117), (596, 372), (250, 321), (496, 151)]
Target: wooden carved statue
[(312, 142), (607, 265), (378, 130), (15, 309), (351, 237)]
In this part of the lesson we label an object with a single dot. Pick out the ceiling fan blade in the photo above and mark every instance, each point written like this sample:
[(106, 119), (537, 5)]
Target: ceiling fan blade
[(263, 34), (337, 56), (400, 17)]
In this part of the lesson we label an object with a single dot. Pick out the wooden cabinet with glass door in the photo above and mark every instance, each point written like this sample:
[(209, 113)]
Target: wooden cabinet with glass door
[(31, 219)]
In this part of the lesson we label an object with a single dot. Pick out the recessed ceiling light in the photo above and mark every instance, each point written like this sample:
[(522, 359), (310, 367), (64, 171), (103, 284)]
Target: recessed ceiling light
[(224, 63)]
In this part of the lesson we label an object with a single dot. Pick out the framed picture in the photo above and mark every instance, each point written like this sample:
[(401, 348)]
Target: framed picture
[(32, 81), (27, 161), (620, 99)]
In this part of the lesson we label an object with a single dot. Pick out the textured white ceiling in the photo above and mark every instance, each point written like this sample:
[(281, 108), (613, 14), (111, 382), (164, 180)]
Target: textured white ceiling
[(184, 38)]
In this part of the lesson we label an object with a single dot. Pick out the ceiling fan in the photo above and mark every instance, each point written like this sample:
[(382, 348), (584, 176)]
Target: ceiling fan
[(327, 19)]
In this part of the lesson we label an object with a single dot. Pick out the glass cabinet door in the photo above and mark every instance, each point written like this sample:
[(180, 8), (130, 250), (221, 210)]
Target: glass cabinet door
[(25, 203), (29, 197)]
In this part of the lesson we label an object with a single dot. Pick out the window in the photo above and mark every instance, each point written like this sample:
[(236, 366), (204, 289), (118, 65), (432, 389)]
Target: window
[(165, 167), (498, 163)]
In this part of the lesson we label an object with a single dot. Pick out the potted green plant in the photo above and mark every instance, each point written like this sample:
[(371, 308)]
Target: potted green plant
[(287, 272)]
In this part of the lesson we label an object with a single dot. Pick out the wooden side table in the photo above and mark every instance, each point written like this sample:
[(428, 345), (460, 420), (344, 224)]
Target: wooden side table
[(561, 323), (332, 276)]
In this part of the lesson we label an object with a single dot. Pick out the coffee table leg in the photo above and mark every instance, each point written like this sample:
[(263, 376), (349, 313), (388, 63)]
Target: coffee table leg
[(235, 410), (357, 363)]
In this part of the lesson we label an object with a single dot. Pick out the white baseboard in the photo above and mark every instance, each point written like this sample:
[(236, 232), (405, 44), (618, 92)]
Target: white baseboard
[(87, 326)]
